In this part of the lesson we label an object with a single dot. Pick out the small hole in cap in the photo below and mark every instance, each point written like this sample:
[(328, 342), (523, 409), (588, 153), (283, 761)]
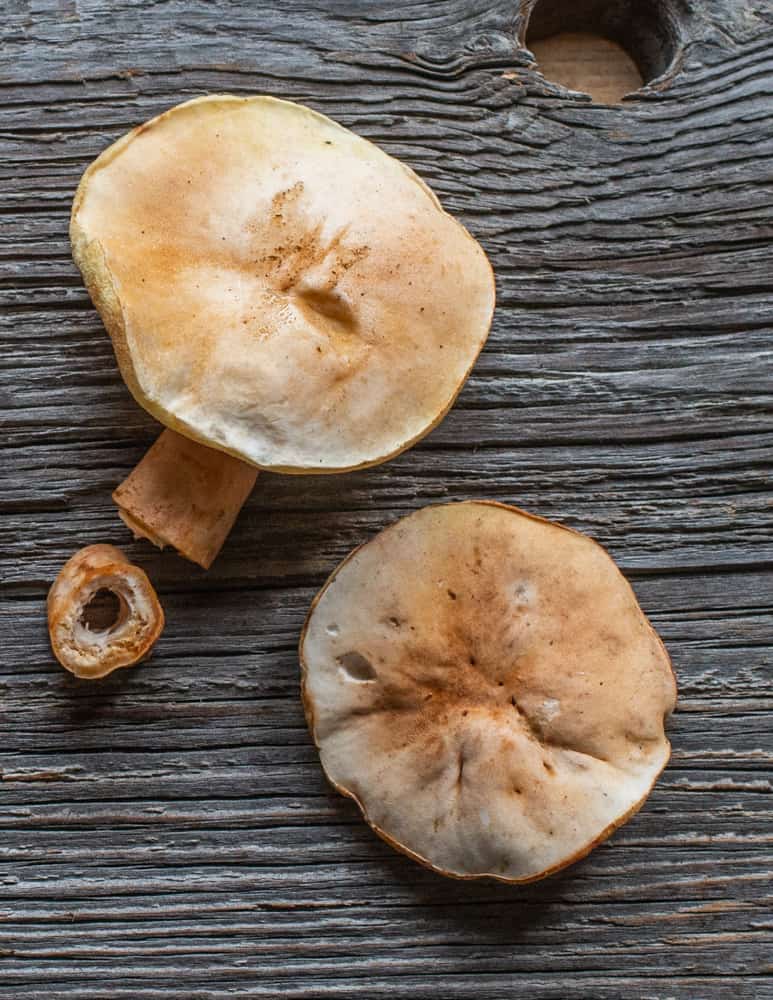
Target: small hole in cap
[(357, 666)]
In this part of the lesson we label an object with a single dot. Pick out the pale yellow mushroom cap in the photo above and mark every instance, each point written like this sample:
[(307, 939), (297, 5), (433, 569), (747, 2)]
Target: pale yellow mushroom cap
[(485, 685), (278, 287)]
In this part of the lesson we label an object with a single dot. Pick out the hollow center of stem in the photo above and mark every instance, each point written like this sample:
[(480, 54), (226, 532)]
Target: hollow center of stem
[(102, 612)]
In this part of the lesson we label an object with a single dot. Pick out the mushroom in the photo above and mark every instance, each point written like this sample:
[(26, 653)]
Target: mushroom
[(276, 288), (483, 683), (91, 653)]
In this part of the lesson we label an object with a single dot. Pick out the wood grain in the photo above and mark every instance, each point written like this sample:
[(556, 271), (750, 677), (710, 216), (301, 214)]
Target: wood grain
[(167, 832)]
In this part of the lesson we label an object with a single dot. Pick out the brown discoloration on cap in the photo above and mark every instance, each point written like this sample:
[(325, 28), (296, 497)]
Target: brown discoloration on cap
[(277, 287), (92, 654), (507, 728)]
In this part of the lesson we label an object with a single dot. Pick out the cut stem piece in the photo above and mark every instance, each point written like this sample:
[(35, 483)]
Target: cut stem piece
[(95, 652), (186, 495)]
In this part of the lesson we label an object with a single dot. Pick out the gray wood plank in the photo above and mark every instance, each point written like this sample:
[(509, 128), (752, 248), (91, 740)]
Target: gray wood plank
[(168, 832)]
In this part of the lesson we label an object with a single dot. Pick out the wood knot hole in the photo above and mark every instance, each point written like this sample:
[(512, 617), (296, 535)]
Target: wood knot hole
[(607, 49)]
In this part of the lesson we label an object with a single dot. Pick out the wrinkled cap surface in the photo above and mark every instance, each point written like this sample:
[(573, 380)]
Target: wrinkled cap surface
[(278, 287), (486, 687)]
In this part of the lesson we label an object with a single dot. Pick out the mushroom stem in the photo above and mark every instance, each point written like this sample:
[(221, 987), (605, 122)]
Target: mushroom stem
[(185, 494), (95, 652)]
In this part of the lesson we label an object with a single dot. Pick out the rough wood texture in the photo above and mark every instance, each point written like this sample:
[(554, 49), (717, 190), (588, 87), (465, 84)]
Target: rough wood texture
[(168, 833)]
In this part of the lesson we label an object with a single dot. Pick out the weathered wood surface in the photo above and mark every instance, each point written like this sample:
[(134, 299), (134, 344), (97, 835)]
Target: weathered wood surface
[(168, 833)]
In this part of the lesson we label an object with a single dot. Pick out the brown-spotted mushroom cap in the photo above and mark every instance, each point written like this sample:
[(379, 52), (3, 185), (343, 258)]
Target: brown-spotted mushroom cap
[(278, 287), (484, 684)]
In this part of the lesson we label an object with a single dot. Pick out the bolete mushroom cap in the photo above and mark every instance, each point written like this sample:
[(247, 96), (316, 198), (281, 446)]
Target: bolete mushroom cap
[(484, 684), (278, 287)]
